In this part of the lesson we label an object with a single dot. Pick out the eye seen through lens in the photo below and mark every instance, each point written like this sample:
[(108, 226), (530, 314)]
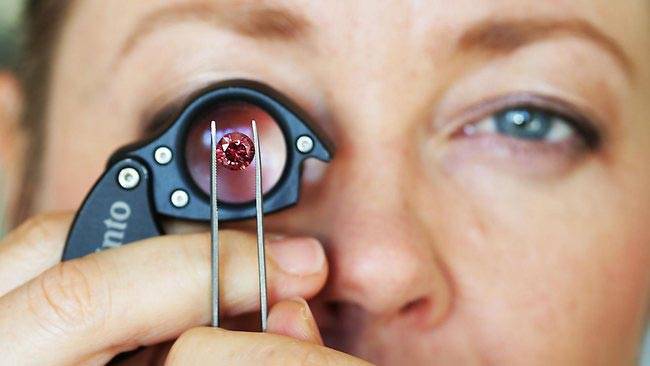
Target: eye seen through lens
[(235, 186)]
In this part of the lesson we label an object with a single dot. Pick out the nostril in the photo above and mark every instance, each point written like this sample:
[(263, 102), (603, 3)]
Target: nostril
[(339, 323), (416, 307), (342, 309), (341, 314), (333, 308), (327, 313)]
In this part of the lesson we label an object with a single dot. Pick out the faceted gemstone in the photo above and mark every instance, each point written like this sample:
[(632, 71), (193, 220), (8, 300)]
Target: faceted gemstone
[(235, 151)]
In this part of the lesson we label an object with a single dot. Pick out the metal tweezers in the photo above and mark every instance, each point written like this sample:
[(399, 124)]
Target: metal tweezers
[(214, 220)]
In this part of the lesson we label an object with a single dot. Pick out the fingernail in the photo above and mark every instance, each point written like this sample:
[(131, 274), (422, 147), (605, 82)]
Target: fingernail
[(308, 327), (298, 256), (305, 312), (271, 237)]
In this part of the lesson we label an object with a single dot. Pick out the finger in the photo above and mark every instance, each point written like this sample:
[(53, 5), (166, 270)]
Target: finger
[(145, 293), (293, 318), (31, 249), (212, 346)]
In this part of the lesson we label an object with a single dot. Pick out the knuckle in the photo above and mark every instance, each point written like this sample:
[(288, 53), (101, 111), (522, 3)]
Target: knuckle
[(38, 227), (70, 295), (39, 230)]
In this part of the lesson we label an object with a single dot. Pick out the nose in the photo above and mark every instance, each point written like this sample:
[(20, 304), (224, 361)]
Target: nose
[(384, 259), (384, 270)]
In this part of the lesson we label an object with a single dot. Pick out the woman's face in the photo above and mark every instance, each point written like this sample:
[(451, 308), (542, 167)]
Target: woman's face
[(489, 200)]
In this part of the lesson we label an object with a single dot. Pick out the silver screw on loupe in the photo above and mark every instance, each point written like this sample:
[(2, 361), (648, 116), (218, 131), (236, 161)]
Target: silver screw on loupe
[(163, 155), (128, 178), (305, 144), (180, 198)]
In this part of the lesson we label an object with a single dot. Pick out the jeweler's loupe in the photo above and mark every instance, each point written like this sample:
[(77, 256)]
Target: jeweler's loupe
[(169, 174)]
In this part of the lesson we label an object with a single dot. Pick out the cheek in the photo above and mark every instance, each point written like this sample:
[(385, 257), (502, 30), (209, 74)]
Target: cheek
[(63, 186), (72, 160), (550, 265), (82, 131)]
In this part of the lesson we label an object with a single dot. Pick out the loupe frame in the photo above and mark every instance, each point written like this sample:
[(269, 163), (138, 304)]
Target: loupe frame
[(175, 174), (138, 189)]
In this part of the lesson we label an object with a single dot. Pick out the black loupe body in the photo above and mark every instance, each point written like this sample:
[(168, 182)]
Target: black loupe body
[(168, 175)]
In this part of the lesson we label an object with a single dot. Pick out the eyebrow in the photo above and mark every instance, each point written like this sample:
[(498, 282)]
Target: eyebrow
[(251, 19), (505, 36)]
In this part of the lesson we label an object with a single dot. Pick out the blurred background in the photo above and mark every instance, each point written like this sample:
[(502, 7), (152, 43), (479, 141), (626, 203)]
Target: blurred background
[(9, 32), (9, 42), (10, 11)]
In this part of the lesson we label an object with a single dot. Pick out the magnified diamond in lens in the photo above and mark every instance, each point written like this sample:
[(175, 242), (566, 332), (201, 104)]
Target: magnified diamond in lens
[(235, 151)]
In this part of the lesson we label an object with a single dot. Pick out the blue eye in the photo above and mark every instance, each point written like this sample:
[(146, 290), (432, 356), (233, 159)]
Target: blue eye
[(525, 123)]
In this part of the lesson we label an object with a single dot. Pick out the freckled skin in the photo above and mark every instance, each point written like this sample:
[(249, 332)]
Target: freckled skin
[(441, 251)]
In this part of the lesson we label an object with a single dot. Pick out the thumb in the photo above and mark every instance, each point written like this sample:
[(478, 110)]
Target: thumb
[(293, 318)]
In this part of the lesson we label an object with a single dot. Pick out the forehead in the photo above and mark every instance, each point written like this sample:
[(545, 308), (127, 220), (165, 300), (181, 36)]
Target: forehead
[(114, 22), (99, 33)]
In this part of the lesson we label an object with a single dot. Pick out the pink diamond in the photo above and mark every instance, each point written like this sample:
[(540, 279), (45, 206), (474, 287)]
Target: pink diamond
[(235, 151)]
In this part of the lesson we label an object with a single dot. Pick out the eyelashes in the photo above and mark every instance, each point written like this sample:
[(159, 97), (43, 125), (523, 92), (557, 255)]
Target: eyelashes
[(526, 123), (531, 119), (531, 124)]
